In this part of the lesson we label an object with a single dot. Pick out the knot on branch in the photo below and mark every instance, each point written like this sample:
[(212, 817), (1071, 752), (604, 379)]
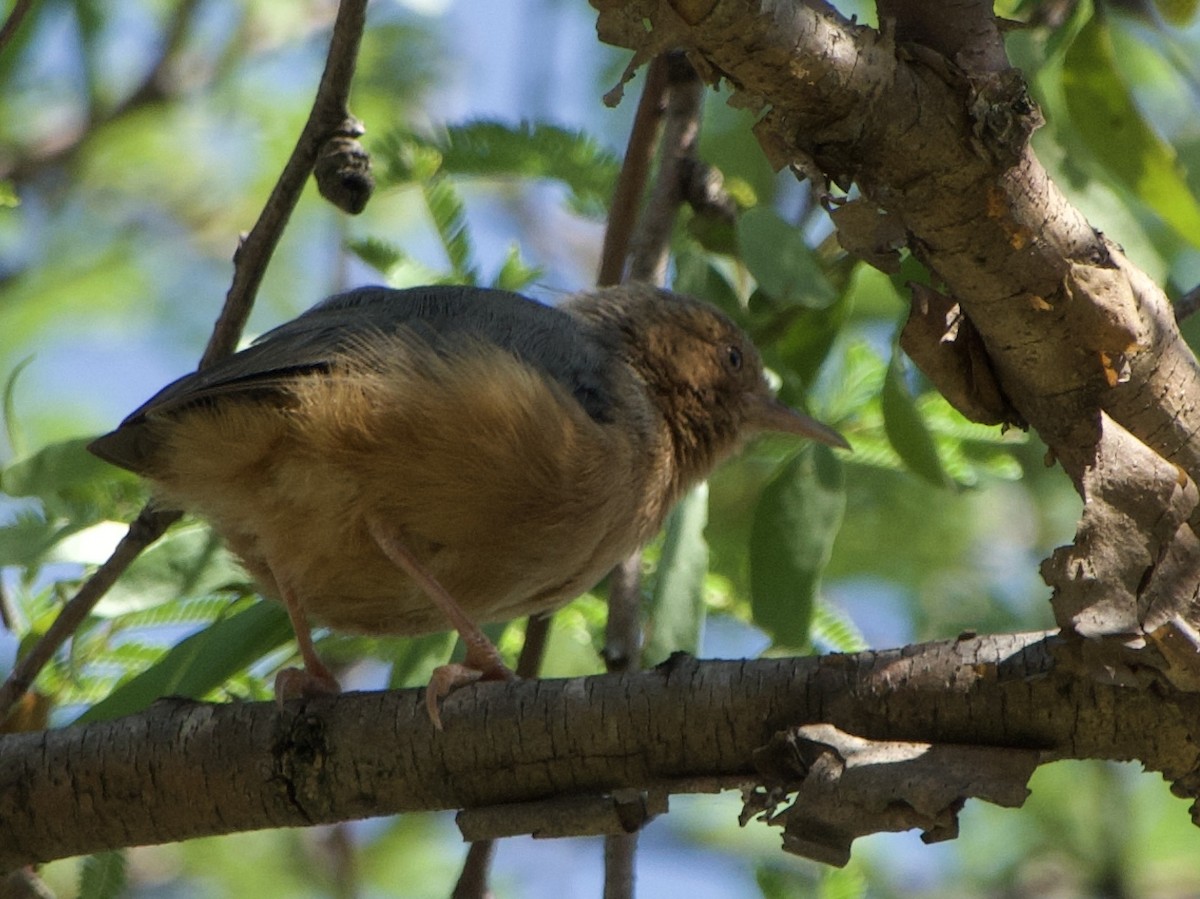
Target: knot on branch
[(846, 787), (300, 754), (1004, 114), (343, 168)]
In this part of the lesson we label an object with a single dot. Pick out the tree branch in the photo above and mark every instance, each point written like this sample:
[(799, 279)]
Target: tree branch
[(185, 769), (13, 22), (1071, 327)]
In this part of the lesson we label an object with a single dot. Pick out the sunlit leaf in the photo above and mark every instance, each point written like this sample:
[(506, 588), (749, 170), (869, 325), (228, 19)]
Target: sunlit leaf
[(1104, 113), (515, 274), (450, 219), (187, 561), (833, 631), (103, 876), (202, 662), (534, 150), (795, 523)]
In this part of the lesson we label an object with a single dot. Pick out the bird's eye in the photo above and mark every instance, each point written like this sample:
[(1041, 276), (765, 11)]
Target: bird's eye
[(733, 357)]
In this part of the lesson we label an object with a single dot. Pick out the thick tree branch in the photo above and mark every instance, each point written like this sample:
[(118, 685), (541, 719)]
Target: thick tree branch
[(185, 769), (1070, 325)]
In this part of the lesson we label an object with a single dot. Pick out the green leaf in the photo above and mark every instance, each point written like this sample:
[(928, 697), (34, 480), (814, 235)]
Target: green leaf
[(807, 339), (697, 276), (833, 631), (377, 253), (189, 561), (515, 274), (103, 876), (535, 151), (1103, 111), (842, 883), (58, 473), (497, 149), (450, 219), (202, 662), (9, 407), (677, 611), (906, 429), (780, 261), (791, 538), (397, 267)]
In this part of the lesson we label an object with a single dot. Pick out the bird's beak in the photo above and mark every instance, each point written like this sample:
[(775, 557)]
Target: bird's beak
[(765, 413)]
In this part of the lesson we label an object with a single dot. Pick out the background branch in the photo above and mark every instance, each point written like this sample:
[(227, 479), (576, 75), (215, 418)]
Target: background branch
[(250, 264)]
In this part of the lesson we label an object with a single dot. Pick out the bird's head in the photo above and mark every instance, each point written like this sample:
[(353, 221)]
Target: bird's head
[(700, 370)]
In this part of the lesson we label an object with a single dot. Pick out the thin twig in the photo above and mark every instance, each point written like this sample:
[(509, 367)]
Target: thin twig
[(145, 529), (250, 263), (622, 219), (13, 22), (476, 870), (328, 114), (648, 262), (153, 88), (1187, 304), (473, 881), (681, 130), (635, 169)]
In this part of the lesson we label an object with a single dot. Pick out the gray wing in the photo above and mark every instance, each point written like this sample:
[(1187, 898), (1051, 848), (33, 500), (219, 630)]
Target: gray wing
[(546, 338)]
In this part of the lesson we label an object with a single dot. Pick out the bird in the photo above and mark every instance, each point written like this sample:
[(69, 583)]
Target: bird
[(407, 461)]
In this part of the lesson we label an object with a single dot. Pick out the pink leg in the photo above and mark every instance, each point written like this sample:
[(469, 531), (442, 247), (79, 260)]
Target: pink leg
[(483, 660), (315, 679)]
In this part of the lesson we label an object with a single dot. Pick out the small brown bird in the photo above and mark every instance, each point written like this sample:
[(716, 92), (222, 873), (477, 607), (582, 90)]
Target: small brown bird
[(396, 461)]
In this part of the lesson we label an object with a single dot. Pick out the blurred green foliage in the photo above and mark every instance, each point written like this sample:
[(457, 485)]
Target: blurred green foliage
[(137, 142)]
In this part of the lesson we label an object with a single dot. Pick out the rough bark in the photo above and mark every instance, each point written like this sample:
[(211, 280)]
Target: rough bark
[(940, 150), (185, 769)]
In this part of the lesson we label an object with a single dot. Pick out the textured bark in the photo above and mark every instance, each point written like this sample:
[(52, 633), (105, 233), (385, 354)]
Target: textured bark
[(1072, 328), (184, 769)]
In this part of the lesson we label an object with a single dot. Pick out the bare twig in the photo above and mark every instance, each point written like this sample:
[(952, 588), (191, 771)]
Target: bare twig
[(328, 116), (622, 219), (473, 881), (152, 88), (651, 248), (1187, 304), (145, 529), (652, 242), (250, 263), (631, 183), (13, 22)]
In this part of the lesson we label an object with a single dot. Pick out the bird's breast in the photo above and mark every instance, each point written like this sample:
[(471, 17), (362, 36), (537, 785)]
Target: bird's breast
[(499, 481)]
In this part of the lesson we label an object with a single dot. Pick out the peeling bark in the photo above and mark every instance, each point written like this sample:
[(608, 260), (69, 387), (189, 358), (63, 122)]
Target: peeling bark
[(943, 150), (846, 787)]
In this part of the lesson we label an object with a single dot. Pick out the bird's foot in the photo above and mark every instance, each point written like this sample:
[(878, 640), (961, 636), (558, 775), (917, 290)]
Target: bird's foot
[(446, 679), (300, 683)]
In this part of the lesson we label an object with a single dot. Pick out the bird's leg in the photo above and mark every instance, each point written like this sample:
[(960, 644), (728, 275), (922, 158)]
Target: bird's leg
[(483, 660), (315, 679)]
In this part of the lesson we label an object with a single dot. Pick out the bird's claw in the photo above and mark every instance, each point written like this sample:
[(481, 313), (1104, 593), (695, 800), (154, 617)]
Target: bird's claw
[(300, 683), (448, 678)]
